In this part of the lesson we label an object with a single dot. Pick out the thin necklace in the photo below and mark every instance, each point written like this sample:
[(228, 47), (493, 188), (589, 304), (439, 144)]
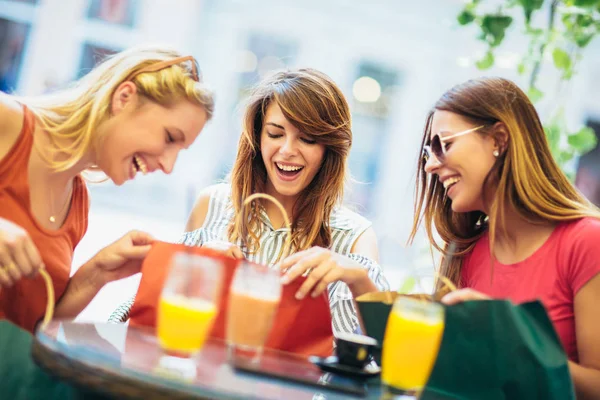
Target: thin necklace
[(52, 217)]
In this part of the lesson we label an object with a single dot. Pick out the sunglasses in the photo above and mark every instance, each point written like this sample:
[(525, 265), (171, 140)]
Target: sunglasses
[(167, 63), (437, 147)]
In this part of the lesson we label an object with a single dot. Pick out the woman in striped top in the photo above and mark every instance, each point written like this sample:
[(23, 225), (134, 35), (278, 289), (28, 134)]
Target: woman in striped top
[(294, 146)]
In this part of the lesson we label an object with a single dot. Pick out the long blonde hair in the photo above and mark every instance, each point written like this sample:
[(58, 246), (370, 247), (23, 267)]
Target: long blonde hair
[(76, 112), (525, 176), (314, 104)]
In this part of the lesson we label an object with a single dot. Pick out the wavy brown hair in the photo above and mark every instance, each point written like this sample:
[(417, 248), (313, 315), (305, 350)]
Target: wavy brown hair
[(315, 105), (524, 178)]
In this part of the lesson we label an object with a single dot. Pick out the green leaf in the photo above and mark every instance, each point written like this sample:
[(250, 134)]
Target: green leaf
[(587, 3), (584, 20), (535, 94), (536, 32), (486, 62), (568, 74), (494, 27), (553, 133), (471, 6), (465, 17), (561, 58), (529, 6), (408, 285), (564, 156), (583, 140), (521, 68), (583, 39)]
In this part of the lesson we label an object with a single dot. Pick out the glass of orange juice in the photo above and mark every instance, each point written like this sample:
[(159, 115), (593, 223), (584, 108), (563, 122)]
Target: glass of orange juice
[(253, 301), (188, 303), (411, 344)]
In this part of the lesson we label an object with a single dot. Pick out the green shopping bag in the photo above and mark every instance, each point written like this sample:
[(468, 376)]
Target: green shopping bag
[(495, 349), (21, 378)]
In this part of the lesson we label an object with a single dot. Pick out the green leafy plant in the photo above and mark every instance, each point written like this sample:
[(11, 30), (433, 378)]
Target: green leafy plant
[(570, 27)]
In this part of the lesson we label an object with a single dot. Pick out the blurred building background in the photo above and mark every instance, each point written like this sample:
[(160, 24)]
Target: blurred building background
[(392, 59)]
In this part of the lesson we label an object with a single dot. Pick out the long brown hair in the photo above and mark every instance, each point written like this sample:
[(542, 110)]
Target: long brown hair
[(314, 104), (525, 176)]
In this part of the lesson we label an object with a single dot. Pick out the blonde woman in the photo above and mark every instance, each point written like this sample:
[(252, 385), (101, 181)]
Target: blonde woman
[(132, 114), (294, 146), (488, 183)]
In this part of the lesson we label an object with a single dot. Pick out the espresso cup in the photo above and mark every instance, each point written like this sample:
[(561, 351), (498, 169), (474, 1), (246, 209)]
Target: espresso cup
[(354, 350)]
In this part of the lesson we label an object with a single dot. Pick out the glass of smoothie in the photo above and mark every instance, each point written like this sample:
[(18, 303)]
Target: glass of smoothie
[(253, 301), (188, 303)]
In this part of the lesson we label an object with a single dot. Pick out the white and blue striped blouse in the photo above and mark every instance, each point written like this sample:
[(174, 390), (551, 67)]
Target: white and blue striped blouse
[(346, 226)]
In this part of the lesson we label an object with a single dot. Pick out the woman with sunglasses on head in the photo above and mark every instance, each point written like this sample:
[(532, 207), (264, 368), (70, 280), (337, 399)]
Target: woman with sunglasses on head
[(488, 184), (133, 113), (294, 146)]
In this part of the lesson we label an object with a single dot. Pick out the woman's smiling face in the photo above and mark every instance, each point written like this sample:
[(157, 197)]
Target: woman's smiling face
[(292, 158)]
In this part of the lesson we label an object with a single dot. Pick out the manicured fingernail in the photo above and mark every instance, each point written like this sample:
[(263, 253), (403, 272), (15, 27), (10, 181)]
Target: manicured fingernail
[(299, 296), (314, 294)]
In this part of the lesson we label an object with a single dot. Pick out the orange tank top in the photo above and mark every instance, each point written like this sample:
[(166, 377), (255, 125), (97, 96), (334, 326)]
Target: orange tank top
[(24, 303)]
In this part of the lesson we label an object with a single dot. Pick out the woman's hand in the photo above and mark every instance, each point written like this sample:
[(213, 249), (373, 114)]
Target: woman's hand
[(124, 257), (225, 248), (323, 267), (458, 296), (116, 261), (19, 257)]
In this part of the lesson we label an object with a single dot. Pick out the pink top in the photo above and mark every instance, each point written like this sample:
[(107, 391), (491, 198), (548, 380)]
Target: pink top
[(553, 274)]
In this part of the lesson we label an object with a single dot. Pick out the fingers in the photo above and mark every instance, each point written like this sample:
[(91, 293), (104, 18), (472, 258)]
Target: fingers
[(225, 248), (310, 260), (332, 276), (312, 279), (140, 238), (13, 270), (137, 252), (294, 258), (463, 295), (21, 265), (19, 259), (237, 253), (5, 278), (34, 256)]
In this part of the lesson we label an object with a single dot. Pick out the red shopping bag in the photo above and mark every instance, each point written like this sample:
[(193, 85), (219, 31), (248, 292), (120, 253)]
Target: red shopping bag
[(300, 326)]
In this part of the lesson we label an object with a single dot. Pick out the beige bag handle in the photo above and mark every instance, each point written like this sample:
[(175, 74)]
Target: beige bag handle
[(50, 303), (287, 246)]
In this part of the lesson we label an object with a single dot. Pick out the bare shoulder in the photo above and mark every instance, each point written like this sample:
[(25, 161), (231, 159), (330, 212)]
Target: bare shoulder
[(366, 244), (11, 123), (200, 210)]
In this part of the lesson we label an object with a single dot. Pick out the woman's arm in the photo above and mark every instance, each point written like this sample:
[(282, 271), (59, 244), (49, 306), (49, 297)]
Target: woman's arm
[(586, 374), (366, 245), (83, 286), (199, 212), (327, 267), (118, 260)]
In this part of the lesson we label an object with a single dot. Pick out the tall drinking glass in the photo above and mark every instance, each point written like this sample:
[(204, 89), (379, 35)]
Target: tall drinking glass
[(253, 301), (188, 303), (411, 344)]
